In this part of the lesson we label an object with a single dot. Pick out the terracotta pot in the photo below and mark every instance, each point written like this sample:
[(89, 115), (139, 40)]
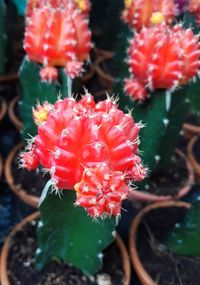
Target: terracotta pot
[(142, 274), (103, 53), (1, 166), (190, 130), (148, 197), (5, 253), (105, 78), (192, 158), (29, 199), (3, 108), (8, 78), (88, 75), (12, 115)]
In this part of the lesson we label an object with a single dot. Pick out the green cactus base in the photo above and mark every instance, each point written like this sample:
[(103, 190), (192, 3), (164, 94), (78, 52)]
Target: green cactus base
[(185, 236), (69, 234)]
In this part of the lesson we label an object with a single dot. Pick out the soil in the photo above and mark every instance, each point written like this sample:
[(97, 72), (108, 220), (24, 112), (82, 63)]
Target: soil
[(196, 150), (31, 181), (169, 181), (165, 267), (22, 264)]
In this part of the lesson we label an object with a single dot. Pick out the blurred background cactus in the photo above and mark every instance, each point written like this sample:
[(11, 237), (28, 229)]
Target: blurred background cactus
[(159, 78), (55, 54)]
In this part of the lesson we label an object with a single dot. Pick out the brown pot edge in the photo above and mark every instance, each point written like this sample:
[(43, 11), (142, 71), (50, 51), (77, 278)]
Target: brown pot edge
[(142, 274), (138, 195), (30, 200), (5, 252), (191, 157), (18, 124), (7, 78), (3, 108), (190, 130)]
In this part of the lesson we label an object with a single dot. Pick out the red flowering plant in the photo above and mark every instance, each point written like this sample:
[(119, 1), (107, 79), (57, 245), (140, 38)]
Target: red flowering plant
[(91, 153)]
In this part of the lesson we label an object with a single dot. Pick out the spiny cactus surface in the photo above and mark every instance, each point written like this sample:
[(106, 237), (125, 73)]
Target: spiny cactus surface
[(162, 58), (92, 148), (58, 36)]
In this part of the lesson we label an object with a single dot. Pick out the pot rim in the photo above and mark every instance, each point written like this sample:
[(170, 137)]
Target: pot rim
[(191, 130), (9, 78), (142, 274), (6, 247), (3, 108), (106, 78), (139, 195), (191, 155), (29, 199), (14, 119)]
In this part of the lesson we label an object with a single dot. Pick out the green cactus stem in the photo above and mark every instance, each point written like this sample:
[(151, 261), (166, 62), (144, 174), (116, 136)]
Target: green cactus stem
[(66, 232), (185, 236)]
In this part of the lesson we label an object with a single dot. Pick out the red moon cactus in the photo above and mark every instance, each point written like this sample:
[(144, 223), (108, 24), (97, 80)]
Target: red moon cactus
[(144, 13), (89, 147), (161, 57), (58, 37)]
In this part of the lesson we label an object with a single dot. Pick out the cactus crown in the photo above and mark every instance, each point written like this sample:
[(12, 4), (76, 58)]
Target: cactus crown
[(91, 148), (162, 58)]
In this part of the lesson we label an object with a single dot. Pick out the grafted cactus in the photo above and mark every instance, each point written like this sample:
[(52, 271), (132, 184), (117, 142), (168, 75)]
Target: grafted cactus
[(159, 69), (162, 58), (58, 35), (92, 150), (2, 36)]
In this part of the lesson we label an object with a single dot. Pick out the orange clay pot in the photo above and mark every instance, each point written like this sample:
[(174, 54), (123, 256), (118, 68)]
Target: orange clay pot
[(142, 274), (12, 115), (3, 108), (1, 166), (190, 130), (105, 78), (8, 78), (192, 158), (148, 197), (5, 253), (29, 199)]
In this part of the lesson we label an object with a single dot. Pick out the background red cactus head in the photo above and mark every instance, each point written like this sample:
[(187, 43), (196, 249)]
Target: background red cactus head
[(139, 13), (56, 37), (162, 57)]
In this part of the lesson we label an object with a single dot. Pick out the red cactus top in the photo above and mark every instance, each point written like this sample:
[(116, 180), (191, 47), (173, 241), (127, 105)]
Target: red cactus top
[(162, 57), (89, 147)]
